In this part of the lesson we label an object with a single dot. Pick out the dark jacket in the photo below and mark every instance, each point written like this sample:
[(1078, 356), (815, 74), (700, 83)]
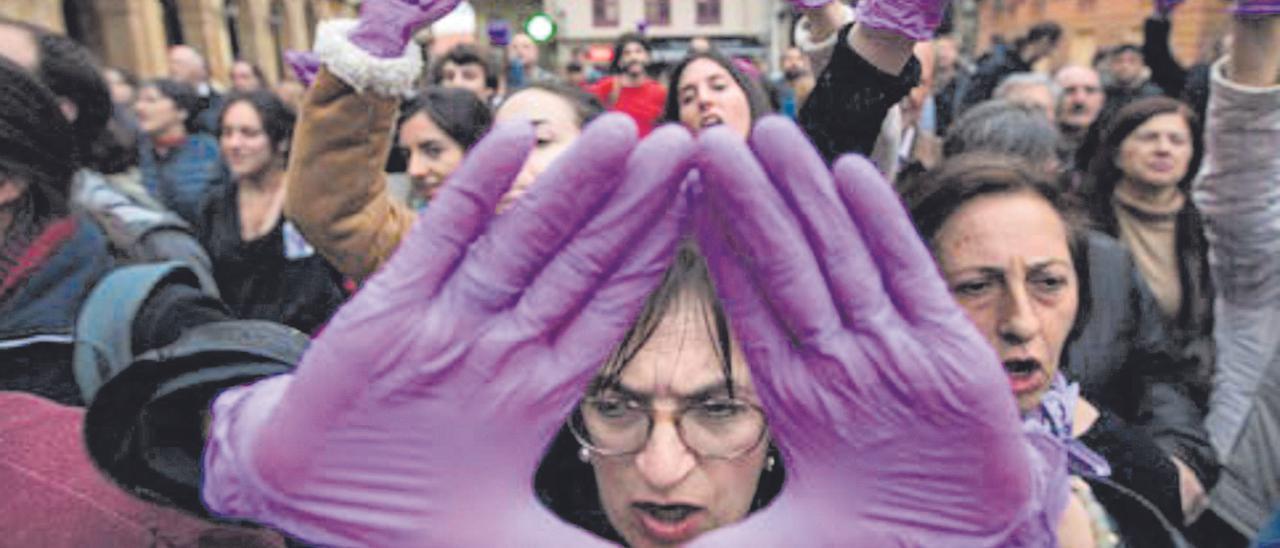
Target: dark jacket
[(179, 179), (850, 101), (1119, 97), (947, 100), (256, 279), (1191, 330), (37, 316), (1190, 85), (1141, 495), (992, 68), (1125, 364)]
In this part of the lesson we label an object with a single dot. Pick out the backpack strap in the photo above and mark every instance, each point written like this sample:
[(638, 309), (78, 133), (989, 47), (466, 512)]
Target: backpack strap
[(104, 325)]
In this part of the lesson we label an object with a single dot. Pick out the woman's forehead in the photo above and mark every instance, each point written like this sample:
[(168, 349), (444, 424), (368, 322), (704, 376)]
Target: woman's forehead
[(702, 69), (683, 355), (991, 229), (536, 105)]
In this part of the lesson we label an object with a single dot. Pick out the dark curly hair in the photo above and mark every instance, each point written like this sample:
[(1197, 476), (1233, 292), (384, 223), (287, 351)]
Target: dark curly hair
[(277, 119), (36, 141), (457, 112), (184, 98)]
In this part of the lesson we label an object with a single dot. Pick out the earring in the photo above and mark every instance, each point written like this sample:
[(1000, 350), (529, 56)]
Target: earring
[(769, 462), (584, 455)]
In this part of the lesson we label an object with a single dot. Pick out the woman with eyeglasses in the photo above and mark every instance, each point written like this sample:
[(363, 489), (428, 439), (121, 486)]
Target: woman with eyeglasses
[(670, 439)]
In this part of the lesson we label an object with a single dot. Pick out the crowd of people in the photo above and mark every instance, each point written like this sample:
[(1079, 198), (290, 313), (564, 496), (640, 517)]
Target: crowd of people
[(893, 296)]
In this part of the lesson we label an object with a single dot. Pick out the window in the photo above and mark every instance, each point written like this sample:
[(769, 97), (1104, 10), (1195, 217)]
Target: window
[(708, 12), (604, 13), (657, 12)]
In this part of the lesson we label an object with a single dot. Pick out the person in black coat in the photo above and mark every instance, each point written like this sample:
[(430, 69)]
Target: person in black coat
[(263, 267), (1002, 61)]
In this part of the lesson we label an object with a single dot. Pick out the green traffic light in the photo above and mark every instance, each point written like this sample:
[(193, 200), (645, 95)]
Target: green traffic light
[(540, 27)]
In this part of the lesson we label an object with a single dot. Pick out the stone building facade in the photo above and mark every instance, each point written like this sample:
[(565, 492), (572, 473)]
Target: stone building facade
[(752, 28), (136, 34), (1092, 24)]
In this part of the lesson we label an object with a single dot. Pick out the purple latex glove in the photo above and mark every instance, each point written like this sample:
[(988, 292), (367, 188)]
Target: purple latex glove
[(420, 414), (305, 65), (1256, 7), (499, 33), (914, 19), (893, 414), (386, 26)]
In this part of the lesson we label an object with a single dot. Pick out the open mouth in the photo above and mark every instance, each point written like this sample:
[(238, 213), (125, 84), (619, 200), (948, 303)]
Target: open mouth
[(1025, 375), (669, 523), (710, 121), (669, 513)]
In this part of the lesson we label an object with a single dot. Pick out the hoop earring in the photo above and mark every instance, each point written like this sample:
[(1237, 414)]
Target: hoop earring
[(584, 455)]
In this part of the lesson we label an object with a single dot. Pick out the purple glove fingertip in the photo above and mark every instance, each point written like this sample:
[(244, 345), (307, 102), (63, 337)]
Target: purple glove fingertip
[(914, 19), (304, 64), (386, 26)]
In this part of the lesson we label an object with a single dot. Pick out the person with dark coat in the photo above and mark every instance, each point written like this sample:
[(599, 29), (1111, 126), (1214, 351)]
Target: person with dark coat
[(1002, 61), (177, 162), (50, 261), (1126, 80), (1190, 84), (264, 268), (107, 186), (853, 95)]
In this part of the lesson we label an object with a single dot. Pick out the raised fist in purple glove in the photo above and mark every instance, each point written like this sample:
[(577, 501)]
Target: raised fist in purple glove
[(892, 413), (386, 26), (304, 64), (419, 415), (914, 19)]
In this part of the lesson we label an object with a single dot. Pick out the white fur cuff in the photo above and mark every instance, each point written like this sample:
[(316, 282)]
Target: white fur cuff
[(362, 71)]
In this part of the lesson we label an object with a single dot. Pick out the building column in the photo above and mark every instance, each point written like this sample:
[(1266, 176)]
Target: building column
[(294, 32), (204, 28), (40, 12), (257, 44), (133, 36)]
